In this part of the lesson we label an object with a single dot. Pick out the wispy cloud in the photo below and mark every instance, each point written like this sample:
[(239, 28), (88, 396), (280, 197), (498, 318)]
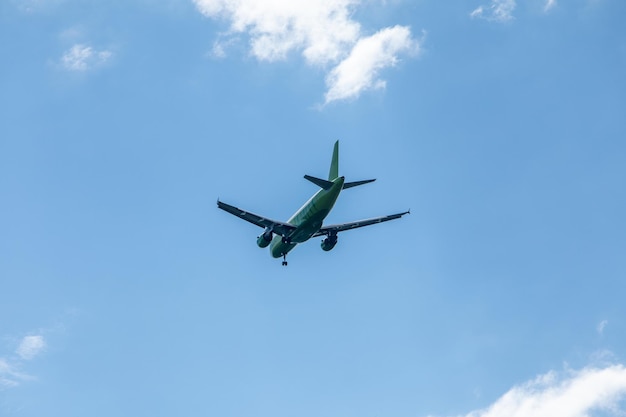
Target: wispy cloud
[(497, 10), (566, 394), (27, 349), (549, 5), (601, 326), (31, 346), (16, 360), (9, 377), (82, 57), (323, 31)]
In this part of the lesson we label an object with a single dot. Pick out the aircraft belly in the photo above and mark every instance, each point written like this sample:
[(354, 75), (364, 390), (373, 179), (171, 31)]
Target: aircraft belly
[(304, 233), (278, 247), (309, 227), (308, 220)]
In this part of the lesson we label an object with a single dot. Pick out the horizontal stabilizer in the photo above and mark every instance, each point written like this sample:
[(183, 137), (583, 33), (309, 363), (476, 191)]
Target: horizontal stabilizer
[(319, 182), (356, 183)]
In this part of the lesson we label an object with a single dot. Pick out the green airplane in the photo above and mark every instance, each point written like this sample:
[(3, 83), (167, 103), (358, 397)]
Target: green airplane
[(306, 223)]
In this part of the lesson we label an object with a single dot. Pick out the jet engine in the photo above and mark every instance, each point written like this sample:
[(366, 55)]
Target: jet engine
[(329, 242), (264, 239)]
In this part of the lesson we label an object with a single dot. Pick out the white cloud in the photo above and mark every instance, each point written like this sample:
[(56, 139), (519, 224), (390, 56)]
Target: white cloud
[(81, 57), (498, 11), (221, 45), (570, 394), (30, 347), (323, 31), (218, 50), (359, 71), (9, 375), (549, 5), (601, 326)]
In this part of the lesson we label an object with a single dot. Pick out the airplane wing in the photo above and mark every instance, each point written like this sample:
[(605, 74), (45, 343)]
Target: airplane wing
[(280, 228), (336, 228)]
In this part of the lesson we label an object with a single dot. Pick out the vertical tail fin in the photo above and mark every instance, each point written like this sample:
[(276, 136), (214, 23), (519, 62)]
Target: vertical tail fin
[(334, 164)]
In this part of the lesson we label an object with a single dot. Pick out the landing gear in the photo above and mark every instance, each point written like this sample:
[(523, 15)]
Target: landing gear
[(284, 259)]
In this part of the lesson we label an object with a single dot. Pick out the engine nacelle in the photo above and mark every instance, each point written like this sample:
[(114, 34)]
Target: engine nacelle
[(329, 242), (264, 239)]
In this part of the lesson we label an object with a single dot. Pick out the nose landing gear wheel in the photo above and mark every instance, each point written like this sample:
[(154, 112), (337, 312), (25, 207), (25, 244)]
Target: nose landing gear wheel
[(284, 259)]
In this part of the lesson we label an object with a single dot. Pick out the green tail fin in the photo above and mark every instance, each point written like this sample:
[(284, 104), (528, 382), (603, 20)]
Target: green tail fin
[(334, 164)]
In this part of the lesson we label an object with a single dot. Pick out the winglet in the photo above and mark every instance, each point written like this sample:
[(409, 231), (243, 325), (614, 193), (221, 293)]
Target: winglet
[(334, 164)]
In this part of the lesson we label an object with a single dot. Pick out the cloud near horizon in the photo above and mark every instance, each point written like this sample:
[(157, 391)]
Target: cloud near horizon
[(325, 34), (566, 394)]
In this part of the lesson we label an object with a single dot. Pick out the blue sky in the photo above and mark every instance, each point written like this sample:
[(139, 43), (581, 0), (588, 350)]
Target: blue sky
[(499, 123)]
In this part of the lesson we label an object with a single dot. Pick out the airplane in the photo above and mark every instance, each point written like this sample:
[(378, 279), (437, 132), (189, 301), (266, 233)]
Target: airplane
[(307, 222)]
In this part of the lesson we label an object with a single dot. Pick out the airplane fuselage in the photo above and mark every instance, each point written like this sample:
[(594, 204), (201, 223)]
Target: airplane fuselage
[(281, 237), (308, 219)]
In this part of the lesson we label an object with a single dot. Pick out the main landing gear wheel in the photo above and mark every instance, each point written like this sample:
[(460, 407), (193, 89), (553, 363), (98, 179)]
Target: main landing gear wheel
[(284, 259)]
